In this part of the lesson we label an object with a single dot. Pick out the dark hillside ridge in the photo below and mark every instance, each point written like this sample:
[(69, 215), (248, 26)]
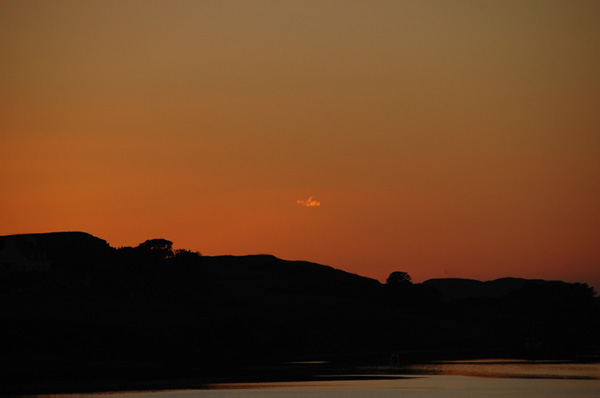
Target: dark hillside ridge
[(458, 289), (53, 246), (59, 240), (77, 311), (260, 272), (66, 253)]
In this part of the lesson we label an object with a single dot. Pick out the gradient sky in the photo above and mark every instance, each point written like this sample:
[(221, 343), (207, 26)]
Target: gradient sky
[(442, 138)]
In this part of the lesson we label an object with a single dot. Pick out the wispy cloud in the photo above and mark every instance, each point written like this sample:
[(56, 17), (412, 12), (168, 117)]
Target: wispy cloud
[(310, 202)]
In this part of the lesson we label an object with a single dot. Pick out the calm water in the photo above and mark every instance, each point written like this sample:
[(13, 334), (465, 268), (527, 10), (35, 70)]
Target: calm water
[(452, 379)]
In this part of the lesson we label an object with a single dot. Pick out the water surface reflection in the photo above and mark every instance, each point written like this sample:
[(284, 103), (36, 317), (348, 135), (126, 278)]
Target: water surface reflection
[(485, 379), (511, 369)]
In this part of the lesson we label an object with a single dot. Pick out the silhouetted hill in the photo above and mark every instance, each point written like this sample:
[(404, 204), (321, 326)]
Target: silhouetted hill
[(458, 289), (54, 246), (266, 272), (74, 309)]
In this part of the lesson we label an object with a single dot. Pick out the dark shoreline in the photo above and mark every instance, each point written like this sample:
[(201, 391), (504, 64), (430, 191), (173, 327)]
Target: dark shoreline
[(139, 379)]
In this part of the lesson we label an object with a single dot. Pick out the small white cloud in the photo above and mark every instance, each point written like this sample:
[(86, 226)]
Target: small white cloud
[(310, 202)]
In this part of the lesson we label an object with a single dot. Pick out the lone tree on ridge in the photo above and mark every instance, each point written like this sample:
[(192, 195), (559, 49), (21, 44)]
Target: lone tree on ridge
[(399, 278)]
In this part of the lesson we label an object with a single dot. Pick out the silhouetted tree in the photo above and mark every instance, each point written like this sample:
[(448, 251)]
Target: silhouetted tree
[(187, 254), (399, 278), (157, 248)]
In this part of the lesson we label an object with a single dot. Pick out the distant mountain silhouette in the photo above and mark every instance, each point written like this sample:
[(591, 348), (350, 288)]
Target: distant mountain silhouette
[(259, 272), (458, 289), (56, 247), (75, 310)]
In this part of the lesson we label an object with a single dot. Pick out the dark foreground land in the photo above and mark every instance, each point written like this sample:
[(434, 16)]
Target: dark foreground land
[(79, 315)]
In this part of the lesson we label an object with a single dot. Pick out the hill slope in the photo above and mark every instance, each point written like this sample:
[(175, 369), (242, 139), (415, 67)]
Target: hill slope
[(458, 289), (93, 312)]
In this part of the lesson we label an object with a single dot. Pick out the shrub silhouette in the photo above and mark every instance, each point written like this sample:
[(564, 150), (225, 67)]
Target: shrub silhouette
[(157, 248), (399, 278)]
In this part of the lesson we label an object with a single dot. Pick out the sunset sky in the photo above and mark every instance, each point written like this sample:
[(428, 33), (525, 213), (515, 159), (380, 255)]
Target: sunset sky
[(441, 138)]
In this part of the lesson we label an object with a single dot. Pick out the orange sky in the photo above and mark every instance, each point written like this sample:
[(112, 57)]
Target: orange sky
[(442, 138)]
